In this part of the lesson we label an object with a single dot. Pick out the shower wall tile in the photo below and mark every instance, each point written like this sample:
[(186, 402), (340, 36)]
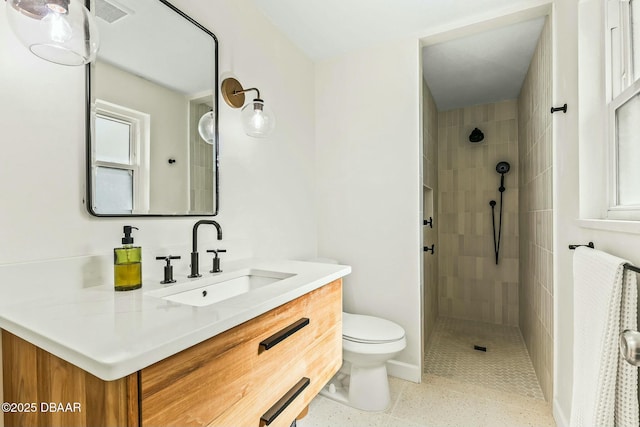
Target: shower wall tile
[(201, 175), (431, 185), (471, 285), (536, 213)]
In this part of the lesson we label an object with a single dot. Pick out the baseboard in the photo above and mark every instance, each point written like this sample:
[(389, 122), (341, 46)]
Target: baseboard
[(559, 416), (405, 371)]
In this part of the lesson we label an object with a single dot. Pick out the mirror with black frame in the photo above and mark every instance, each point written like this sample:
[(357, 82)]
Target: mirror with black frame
[(155, 76)]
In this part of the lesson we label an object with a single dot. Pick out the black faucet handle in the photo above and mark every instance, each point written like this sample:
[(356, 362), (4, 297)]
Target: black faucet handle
[(216, 259), (168, 269), (168, 258), (216, 251)]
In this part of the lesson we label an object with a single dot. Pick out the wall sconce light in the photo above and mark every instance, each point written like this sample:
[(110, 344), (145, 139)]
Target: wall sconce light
[(60, 31), (257, 118)]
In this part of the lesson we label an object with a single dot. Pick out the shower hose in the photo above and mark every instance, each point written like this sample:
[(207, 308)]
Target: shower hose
[(496, 239)]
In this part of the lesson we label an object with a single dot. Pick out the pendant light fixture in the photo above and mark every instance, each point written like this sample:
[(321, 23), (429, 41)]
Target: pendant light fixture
[(257, 118), (207, 127), (59, 31)]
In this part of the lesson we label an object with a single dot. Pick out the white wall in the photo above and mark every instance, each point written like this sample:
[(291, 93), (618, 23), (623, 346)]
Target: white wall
[(267, 203), (580, 168), (565, 198), (267, 186), (368, 149)]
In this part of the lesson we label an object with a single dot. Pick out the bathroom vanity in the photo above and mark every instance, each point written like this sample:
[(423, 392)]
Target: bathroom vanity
[(253, 359)]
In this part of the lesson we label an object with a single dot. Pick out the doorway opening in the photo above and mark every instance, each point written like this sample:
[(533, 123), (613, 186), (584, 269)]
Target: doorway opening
[(496, 82)]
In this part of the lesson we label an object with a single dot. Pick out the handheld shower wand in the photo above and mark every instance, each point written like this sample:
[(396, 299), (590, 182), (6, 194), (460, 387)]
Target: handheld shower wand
[(502, 168)]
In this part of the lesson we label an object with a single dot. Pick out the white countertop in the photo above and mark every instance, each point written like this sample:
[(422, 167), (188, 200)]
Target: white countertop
[(113, 334)]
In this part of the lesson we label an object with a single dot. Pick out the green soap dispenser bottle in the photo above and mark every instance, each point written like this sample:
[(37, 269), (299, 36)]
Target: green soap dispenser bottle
[(127, 263)]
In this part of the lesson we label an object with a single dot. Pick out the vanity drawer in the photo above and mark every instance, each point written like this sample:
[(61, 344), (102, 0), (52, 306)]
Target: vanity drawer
[(317, 363), (200, 384)]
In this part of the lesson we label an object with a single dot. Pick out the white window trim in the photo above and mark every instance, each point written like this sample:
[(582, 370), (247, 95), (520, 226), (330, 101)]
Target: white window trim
[(612, 48), (620, 88), (617, 211), (619, 69), (140, 151)]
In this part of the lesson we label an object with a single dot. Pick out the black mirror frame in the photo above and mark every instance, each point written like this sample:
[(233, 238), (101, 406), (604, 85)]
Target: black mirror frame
[(88, 127)]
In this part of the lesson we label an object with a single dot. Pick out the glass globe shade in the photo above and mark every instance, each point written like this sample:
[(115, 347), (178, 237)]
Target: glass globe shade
[(257, 119), (207, 127), (59, 31)]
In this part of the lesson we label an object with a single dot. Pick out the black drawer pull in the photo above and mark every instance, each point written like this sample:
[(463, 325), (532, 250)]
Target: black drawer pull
[(283, 334), (285, 401)]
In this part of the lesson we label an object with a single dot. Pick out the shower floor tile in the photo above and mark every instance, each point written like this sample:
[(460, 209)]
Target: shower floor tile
[(505, 366)]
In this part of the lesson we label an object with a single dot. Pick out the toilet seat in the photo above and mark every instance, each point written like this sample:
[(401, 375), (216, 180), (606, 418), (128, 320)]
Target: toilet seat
[(373, 348), (363, 329)]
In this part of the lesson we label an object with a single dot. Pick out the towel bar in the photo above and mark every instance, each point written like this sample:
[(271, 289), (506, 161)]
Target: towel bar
[(629, 339), (592, 246), (588, 245), (631, 267)]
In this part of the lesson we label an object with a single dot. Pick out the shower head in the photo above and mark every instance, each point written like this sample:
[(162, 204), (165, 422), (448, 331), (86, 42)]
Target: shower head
[(476, 136), (503, 167)]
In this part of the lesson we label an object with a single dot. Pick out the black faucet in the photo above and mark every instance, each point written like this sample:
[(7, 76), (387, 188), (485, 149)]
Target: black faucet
[(194, 251)]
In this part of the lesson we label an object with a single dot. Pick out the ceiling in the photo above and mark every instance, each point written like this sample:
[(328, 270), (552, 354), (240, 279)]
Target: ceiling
[(146, 38), (482, 68), (486, 67)]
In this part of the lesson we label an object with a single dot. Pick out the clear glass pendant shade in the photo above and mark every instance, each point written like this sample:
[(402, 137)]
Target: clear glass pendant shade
[(257, 119), (207, 127), (60, 31)]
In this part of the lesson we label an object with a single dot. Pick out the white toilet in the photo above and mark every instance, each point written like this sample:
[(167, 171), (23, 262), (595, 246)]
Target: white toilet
[(367, 344)]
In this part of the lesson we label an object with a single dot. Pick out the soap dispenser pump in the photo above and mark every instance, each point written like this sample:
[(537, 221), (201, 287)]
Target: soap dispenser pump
[(127, 263)]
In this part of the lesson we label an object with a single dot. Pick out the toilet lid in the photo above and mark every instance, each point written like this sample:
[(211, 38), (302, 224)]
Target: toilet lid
[(368, 329)]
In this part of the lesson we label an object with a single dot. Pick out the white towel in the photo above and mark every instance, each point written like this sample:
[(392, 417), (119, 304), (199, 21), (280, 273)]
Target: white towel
[(605, 387)]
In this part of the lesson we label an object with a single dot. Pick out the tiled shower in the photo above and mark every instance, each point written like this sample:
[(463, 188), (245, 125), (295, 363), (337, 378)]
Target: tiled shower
[(462, 280), (471, 285)]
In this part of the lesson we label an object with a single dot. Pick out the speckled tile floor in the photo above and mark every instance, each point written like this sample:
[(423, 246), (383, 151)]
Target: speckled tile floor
[(437, 401), (452, 400)]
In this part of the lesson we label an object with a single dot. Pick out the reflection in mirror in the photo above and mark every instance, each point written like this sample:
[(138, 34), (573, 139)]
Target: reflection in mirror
[(154, 77)]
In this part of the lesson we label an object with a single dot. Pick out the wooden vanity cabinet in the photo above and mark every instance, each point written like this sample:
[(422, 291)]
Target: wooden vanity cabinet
[(265, 371), (32, 376)]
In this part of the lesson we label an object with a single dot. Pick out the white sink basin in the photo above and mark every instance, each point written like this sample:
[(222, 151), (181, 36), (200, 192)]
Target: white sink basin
[(209, 291)]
